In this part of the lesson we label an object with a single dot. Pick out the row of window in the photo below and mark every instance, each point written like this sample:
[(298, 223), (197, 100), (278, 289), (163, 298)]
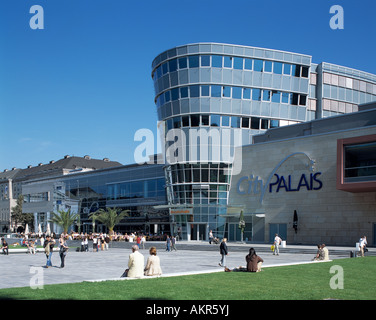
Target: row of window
[(136, 189), (218, 61), (216, 120), (338, 106), (217, 91), (36, 197), (350, 83), (199, 173)]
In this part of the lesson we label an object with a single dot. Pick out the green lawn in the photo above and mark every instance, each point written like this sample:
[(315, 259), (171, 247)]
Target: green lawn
[(299, 282)]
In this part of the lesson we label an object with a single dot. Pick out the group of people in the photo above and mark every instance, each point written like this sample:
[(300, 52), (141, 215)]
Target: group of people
[(170, 243), (254, 262), (49, 245), (136, 264)]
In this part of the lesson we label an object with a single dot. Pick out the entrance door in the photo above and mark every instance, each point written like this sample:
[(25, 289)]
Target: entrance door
[(374, 234), (280, 229), (234, 233), (198, 231)]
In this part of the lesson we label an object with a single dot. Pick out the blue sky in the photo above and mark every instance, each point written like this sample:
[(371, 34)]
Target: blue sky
[(82, 86)]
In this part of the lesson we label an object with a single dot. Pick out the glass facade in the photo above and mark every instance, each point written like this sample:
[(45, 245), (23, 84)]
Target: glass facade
[(241, 91)]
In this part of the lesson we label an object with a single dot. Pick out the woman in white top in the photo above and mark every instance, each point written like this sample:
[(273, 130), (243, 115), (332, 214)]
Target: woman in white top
[(153, 265)]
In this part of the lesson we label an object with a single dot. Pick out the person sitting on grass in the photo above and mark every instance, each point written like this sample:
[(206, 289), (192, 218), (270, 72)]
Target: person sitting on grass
[(254, 263)]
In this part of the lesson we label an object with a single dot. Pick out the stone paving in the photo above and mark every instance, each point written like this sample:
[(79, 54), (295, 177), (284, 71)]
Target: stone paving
[(20, 269)]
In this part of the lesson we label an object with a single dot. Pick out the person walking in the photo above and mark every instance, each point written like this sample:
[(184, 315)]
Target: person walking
[(211, 236), (224, 252), (362, 245), (277, 242), (63, 250), (173, 242), (168, 244)]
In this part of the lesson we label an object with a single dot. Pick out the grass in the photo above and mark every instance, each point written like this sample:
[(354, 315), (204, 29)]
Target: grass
[(297, 282)]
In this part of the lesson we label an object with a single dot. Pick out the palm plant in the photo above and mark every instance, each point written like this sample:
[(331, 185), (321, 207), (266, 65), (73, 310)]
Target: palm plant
[(64, 219), (109, 217)]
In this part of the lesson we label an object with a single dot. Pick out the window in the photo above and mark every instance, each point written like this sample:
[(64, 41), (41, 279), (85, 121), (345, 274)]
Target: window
[(296, 70), (173, 65), (164, 68), (177, 122), (167, 96), (256, 94), (302, 100), (205, 119), (215, 120), (195, 120), (245, 122), (227, 91), (184, 92), (246, 93), (285, 97), (183, 63), (277, 68), (255, 123), (264, 124), (194, 91), (185, 121), (205, 91), (217, 61), (238, 63), (286, 69), (268, 66), (258, 65), (225, 121), (159, 72), (193, 61), (294, 99), (227, 63), (175, 94), (274, 123), (235, 122), (237, 92), (265, 95), (360, 162), (205, 61), (276, 96), (216, 91), (305, 72), (248, 64)]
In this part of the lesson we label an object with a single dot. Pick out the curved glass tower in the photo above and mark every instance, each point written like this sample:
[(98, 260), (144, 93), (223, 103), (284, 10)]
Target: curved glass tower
[(213, 97)]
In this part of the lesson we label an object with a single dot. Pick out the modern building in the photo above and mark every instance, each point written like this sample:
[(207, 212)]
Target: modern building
[(137, 188), (213, 97), (86, 185), (313, 182)]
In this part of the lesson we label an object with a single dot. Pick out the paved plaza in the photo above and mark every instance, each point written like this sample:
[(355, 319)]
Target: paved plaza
[(18, 269)]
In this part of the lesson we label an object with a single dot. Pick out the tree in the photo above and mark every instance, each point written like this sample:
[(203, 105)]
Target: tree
[(18, 216), (64, 219), (110, 217)]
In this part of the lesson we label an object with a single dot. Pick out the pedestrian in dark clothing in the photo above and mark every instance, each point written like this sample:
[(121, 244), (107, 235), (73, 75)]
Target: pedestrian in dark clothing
[(4, 246), (224, 252), (63, 250), (168, 244)]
